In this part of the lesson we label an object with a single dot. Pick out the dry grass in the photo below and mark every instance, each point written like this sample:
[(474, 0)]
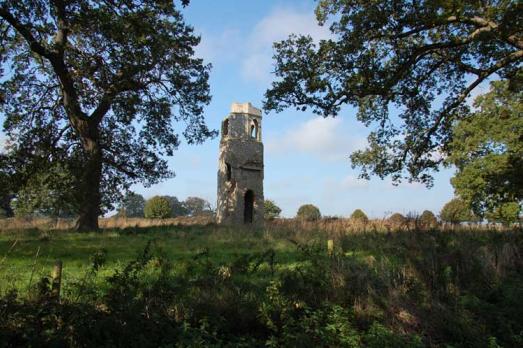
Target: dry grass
[(331, 226), (105, 223)]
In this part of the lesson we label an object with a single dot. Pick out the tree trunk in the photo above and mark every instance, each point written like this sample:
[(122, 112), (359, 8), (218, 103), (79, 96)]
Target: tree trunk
[(89, 188)]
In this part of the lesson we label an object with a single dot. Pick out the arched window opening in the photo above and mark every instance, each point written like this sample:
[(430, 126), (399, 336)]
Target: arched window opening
[(248, 207), (228, 171), (254, 129), (225, 127)]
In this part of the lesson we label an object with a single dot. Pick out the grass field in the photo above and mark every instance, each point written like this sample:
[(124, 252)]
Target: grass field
[(26, 256), (279, 286)]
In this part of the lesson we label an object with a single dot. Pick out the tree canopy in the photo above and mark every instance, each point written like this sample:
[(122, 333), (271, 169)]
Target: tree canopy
[(270, 210), (99, 86), (359, 215), (487, 150), (157, 207), (132, 205), (456, 211), (308, 212), (421, 58), (197, 206)]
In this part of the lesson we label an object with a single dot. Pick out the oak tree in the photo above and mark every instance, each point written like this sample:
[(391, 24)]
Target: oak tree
[(419, 58), (99, 85), (487, 151)]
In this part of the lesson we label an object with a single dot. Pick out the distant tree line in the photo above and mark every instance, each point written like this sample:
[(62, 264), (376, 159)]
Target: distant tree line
[(162, 207), (455, 212)]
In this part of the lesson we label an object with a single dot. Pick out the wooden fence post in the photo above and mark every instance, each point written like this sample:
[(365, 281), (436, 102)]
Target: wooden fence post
[(330, 246)]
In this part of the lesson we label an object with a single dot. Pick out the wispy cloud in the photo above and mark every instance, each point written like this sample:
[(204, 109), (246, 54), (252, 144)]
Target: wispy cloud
[(321, 137), (277, 26), (220, 46)]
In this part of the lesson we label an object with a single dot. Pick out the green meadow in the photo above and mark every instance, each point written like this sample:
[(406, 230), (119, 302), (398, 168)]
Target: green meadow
[(278, 286)]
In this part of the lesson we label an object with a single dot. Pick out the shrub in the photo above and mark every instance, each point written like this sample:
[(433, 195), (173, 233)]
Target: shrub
[(428, 219), (157, 208), (271, 210), (359, 215), (397, 220), (308, 212), (456, 211)]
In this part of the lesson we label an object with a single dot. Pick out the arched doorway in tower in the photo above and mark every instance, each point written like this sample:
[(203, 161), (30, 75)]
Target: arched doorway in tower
[(248, 210)]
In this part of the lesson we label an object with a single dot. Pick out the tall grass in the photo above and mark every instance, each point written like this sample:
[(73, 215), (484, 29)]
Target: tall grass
[(278, 286)]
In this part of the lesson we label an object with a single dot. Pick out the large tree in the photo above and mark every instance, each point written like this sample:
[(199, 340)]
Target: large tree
[(487, 150), (98, 85), (421, 58)]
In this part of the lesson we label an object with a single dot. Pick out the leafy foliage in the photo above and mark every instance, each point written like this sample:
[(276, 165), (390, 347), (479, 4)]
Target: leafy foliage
[(47, 194), (197, 206), (133, 205), (270, 210), (99, 86), (423, 58), (428, 219), (506, 213), (397, 220), (177, 208), (456, 211), (487, 149), (157, 207), (308, 212), (359, 215)]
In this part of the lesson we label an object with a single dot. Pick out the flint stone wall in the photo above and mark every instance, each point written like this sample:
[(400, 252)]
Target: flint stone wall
[(244, 154)]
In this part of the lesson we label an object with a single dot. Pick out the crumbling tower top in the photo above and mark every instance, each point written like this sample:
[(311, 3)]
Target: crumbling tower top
[(245, 108)]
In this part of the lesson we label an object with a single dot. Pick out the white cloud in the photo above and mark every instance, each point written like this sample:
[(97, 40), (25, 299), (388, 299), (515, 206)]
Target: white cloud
[(215, 47), (321, 137), (277, 26)]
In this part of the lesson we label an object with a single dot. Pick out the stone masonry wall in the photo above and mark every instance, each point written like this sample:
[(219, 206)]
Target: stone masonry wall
[(244, 154)]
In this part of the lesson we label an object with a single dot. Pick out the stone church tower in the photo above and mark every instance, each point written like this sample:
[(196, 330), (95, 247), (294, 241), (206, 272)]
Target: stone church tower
[(240, 167)]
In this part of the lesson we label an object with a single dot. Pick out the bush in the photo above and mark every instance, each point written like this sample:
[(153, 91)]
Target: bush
[(397, 220), (308, 212), (271, 210), (157, 208), (359, 215), (428, 219)]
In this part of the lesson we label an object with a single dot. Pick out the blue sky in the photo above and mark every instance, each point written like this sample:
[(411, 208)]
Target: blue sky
[(306, 157)]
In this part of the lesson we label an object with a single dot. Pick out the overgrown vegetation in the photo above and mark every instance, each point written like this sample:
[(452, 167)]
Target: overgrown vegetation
[(214, 286)]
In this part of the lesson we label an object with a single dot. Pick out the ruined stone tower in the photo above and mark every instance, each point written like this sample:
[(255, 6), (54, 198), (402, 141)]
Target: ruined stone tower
[(240, 167)]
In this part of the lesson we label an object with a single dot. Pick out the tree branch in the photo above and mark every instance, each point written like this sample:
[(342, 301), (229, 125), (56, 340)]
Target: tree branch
[(119, 167), (26, 33), (61, 34)]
